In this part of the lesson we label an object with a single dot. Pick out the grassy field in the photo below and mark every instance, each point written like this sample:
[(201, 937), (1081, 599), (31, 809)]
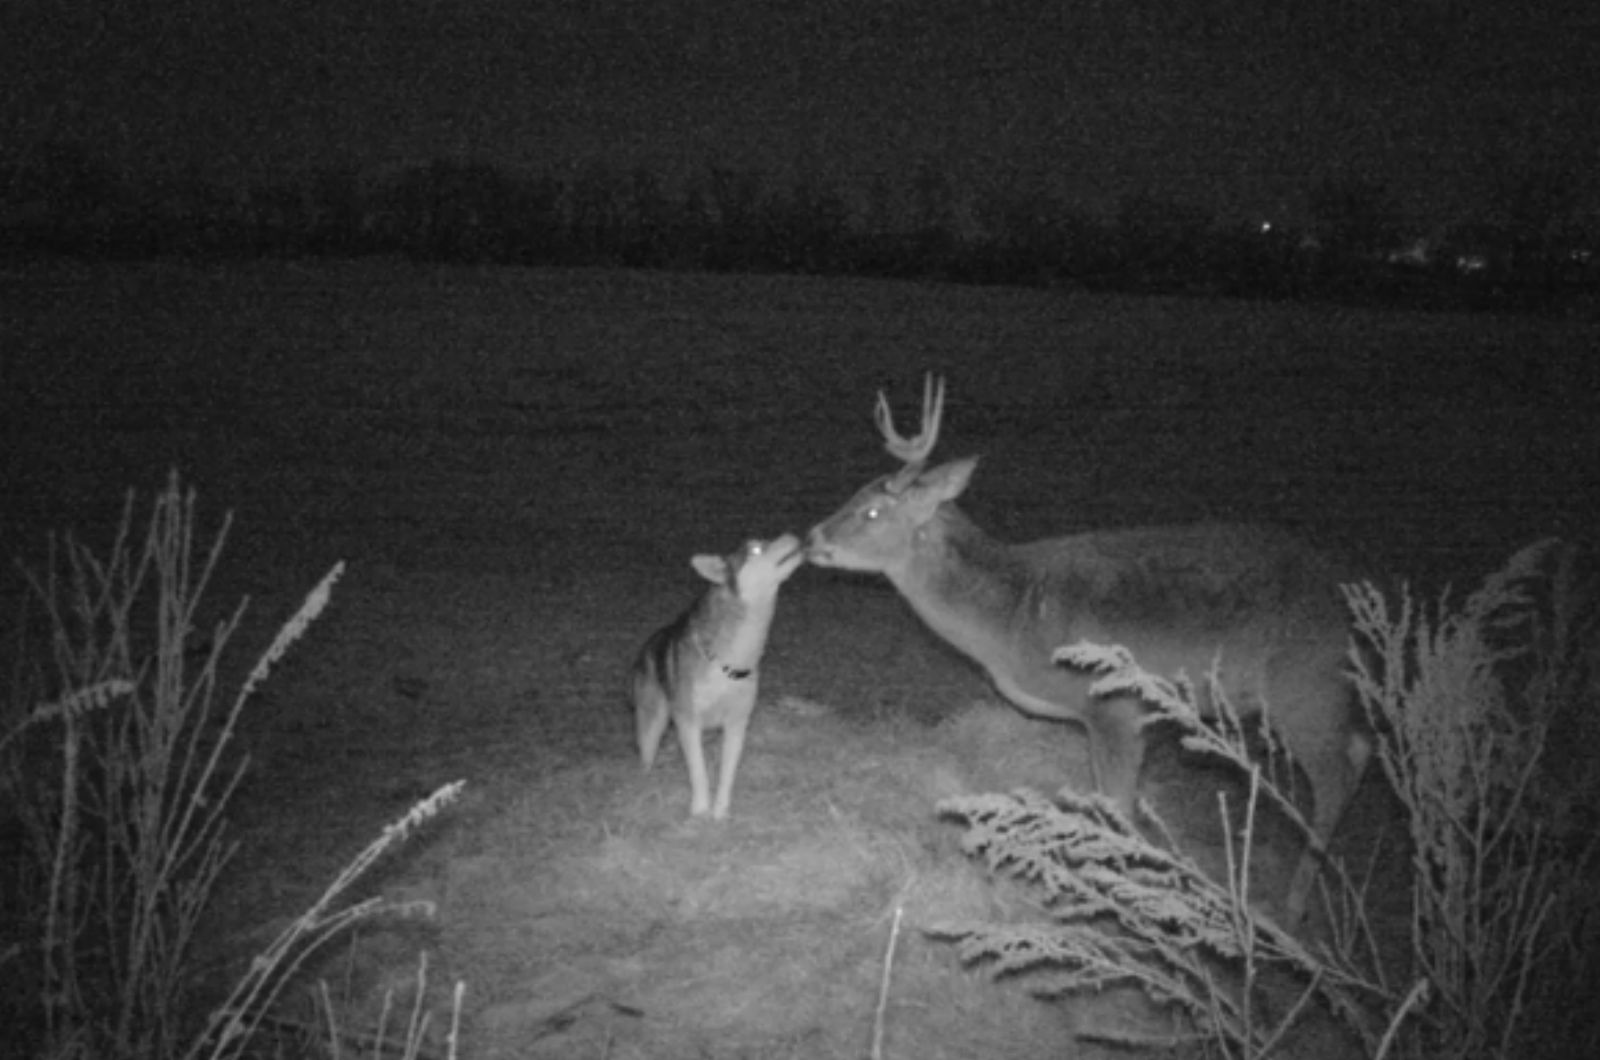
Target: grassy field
[(518, 465)]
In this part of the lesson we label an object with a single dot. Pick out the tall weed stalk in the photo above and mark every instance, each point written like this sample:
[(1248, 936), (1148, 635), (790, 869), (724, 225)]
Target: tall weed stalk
[(124, 805), (1473, 705)]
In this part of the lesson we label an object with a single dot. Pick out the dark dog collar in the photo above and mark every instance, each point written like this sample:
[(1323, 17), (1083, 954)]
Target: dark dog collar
[(733, 673)]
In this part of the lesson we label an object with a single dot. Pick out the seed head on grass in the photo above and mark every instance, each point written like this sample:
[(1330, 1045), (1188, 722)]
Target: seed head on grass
[(74, 704), (315, 602), (233, 1024)]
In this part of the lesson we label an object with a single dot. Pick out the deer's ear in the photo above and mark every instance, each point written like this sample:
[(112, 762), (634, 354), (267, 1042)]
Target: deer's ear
[(948, 481), (713, 569)]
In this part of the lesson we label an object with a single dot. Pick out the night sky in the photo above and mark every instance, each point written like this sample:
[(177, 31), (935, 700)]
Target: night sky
[(1237, 106)]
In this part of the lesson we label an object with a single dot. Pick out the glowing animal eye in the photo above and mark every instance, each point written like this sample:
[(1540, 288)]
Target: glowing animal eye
[(871, 514)]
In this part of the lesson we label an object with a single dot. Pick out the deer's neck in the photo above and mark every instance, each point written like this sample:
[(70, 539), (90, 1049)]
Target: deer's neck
[(963, 583)]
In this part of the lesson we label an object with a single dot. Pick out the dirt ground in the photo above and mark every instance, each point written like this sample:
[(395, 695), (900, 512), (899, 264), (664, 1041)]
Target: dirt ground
[(517, 466)]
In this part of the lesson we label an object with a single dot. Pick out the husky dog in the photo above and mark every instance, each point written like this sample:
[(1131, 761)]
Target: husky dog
[(701, 672)]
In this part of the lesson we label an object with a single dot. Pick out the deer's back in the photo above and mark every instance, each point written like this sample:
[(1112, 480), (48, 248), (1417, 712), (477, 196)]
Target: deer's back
[(1179, 597)]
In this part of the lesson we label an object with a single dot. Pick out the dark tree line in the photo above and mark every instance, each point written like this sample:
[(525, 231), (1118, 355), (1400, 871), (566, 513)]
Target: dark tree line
[(58, 199)]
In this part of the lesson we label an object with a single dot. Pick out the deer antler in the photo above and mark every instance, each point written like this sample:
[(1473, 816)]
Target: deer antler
[(913, 450)]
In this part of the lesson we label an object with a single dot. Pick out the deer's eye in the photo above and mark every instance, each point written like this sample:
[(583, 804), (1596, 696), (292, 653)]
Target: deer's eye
[(872, 513)]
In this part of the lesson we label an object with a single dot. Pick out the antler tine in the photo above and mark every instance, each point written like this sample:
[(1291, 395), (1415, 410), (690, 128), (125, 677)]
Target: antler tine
[(914, 450)]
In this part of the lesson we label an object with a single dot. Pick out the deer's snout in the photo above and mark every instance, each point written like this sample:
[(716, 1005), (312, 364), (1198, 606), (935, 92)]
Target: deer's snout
[(817, 547)]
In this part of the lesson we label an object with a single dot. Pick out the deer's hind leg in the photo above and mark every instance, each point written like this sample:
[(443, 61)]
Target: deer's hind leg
[(1313, 708), (1333, 763)]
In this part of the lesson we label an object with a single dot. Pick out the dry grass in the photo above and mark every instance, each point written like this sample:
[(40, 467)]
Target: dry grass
[(653, 935), (1470, 700), (121, 783)]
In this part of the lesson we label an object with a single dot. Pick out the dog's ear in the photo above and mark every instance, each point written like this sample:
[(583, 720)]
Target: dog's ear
[(713, 569)]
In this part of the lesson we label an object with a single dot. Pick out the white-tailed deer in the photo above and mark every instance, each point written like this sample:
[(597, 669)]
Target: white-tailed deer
[(1263, 606), (703, 670)]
